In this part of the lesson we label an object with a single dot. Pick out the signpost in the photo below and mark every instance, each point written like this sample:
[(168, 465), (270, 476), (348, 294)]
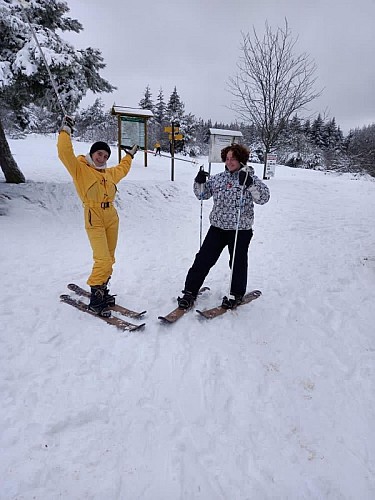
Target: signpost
[(173, 136), (132, 131), (270, 165), (132, 128)]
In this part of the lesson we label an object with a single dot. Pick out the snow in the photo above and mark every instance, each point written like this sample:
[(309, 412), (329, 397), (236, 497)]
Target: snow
[(219, 131), (273, 400), (123, 110), (5, 73)]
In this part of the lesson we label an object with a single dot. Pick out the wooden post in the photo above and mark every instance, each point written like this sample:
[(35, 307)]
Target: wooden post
[(119, 136), (172, 153), (146, 142)]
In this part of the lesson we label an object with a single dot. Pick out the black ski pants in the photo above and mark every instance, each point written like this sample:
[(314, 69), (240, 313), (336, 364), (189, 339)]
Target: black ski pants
[(214, 243)]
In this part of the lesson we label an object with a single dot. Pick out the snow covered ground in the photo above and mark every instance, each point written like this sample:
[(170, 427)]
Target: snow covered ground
[(274, 400)]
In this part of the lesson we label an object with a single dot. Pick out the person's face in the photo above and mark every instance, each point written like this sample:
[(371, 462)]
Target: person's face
[(231, 163), (100, 157)]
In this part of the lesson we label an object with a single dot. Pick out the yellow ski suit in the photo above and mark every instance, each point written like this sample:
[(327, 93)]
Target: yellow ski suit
[(97, 190)]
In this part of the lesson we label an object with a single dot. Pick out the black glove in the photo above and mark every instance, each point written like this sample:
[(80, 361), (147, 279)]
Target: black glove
[(67, 124), (245, 177), (201, 177), (131, 151)]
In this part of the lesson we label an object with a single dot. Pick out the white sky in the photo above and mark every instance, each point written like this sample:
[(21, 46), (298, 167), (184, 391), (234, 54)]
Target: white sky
[(195, 46)]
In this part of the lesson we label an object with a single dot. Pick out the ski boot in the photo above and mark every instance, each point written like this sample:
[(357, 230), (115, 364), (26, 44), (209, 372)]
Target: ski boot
[(187, 300), (98, 304), (108, 298), (232, 301)]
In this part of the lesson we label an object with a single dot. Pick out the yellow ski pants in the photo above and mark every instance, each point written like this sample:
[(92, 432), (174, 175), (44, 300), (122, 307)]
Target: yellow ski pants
[(101, 225)]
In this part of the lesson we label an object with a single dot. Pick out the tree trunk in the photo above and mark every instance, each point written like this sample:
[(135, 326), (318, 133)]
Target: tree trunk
[(267, 150), (7, 163)]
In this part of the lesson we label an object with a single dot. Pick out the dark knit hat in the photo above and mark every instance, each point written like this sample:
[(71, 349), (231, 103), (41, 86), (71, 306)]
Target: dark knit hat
[(100, 146)]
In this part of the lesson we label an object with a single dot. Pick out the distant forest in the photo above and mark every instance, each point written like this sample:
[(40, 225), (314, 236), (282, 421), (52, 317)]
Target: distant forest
[(34, 95), (305, 143)]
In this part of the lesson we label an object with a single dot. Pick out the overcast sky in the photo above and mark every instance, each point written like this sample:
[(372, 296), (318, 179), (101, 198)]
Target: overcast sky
[(195, 46)]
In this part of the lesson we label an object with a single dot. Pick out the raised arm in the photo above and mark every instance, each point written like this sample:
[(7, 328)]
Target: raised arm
[(66, 152)]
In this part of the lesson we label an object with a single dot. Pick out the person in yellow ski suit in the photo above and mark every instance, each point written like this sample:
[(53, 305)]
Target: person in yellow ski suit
[(96, 187), (157, 148)]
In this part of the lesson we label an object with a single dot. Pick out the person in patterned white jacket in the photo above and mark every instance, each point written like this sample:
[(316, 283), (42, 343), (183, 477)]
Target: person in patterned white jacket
[(226, 188)]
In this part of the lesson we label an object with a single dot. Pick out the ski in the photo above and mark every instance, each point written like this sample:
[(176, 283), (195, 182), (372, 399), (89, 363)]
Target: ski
[(117, 308), (177, 313), (112, 320), (219, 310)]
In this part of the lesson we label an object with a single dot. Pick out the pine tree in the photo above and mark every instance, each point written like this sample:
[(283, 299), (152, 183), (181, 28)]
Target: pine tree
[(176, 113), (160, 108), (146, 101), (295, 125), (93, 124), (188, 125), (339, 139), (317, 135), (24, 78), (333, 134), (175, 107), (201, 137), (306, 128), (39, 119), (155, 126), (89, 117)]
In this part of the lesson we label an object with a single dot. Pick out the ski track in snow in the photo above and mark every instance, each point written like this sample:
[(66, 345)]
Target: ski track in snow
[(273, 400)]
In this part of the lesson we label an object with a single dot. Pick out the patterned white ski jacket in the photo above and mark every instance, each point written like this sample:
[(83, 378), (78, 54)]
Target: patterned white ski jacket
[(226, 192)]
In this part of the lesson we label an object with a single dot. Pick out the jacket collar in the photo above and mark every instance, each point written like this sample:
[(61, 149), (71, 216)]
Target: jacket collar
[(90, 161)]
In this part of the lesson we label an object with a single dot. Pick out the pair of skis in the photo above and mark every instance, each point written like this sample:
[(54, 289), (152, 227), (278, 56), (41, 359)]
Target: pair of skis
[(170, 318), (214, 312), (112, 320)]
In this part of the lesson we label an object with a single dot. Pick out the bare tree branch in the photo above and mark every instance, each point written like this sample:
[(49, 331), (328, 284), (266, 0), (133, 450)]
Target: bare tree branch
[(272, 83)]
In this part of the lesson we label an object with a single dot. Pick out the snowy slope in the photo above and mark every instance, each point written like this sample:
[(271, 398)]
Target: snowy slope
[(274, 400)]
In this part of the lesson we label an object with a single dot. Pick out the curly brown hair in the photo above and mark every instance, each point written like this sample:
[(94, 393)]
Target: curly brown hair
[(241, 153)]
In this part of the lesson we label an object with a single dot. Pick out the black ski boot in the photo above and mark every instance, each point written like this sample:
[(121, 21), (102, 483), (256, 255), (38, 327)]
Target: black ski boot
[(232, 301), (108, 298), (187, 300), (98, 304)]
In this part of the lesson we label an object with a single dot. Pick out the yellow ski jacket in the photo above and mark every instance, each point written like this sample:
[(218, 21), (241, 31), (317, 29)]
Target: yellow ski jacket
[(94, 187)]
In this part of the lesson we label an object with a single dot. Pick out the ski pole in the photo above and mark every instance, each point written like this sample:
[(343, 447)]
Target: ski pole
[(43, 57), (194, 162), (201, 214), (236, 235), (201, 219)]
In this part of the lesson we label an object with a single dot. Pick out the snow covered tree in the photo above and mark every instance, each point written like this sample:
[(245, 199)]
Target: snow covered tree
[(94, 124), (160, 108), (39, 119), (24, 78), (249, 133), (294, 125), (187, 128), (159, 122), (361, 148), (272, 82), (317, 131), (146, 101), (306, 128), (202, 136), (175, 107), (333, 135), (175, 113), (90, 117)]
